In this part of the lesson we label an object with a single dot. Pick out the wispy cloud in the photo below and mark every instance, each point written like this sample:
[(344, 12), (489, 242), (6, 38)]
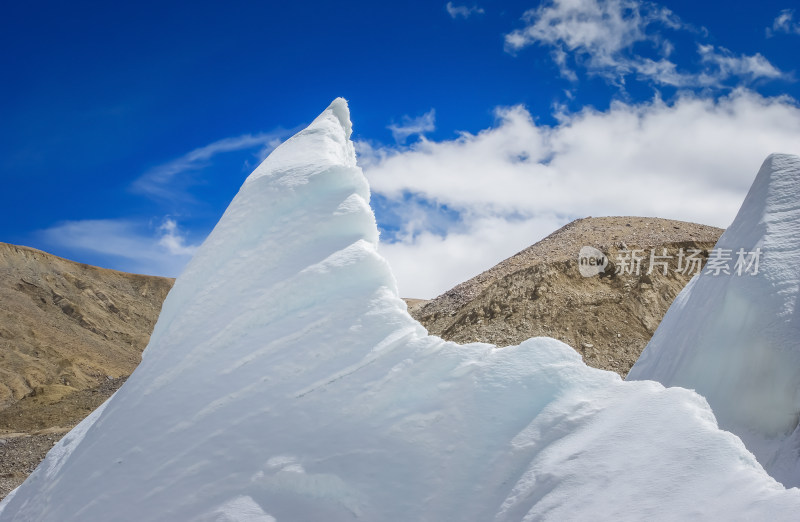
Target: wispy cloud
[(724, 64), (510, 185), (165, 181), (599, 33), (461, 10), (784, 23), (174, 240), (141, 245), (126, 244), (608, 37), (413, 126)]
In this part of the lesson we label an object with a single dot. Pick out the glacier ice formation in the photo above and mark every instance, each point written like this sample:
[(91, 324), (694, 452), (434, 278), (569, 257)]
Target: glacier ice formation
[(286, 381), (735, 337)]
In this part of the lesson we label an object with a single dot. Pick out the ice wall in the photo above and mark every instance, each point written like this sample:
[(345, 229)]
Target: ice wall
[(735, 338), (286, 381)]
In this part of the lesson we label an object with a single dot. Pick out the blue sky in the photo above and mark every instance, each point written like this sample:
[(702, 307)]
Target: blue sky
[(127, 129)]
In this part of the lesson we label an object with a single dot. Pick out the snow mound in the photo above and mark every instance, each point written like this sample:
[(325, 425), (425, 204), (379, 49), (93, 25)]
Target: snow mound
[(286, 381), (735, 338)]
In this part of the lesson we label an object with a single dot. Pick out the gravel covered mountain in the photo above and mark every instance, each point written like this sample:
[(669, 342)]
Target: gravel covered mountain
[(608, 318)]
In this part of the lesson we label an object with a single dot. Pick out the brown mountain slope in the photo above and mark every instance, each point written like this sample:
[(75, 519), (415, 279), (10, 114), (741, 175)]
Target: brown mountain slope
[(66, 327), (540, 291), (70, 334)]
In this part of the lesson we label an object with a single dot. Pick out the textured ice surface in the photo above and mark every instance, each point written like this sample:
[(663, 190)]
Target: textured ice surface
[(286, 381), (736, 338)]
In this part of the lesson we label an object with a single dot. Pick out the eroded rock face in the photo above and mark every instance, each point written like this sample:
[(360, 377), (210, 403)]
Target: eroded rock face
[(607, 318), (66, 327), (70, 334)]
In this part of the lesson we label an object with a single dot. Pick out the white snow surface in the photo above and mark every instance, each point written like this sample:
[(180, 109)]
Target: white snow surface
[(735, 339), (286, 381)]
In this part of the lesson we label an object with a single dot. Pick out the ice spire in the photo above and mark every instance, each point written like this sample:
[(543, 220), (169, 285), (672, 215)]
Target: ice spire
[(735, 337), (286, 381)]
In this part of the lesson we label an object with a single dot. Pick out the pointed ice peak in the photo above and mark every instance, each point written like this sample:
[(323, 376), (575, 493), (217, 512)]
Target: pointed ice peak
[(324, 143), (735, 337), (305, 202), (286, 381), (769, 220), (342, 111), (774, 192)]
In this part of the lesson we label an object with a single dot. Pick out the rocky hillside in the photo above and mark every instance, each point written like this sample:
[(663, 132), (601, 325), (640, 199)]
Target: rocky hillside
[(69, 336), (540, 291)]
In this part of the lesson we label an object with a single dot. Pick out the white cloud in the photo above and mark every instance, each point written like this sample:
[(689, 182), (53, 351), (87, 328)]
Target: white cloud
[(431, 264), (726, 64), (413, 126), (693, 160), (163, 180), (173, 240), (600, 35), (600, 28), (127, 244), (461, 10), (784, 23)]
